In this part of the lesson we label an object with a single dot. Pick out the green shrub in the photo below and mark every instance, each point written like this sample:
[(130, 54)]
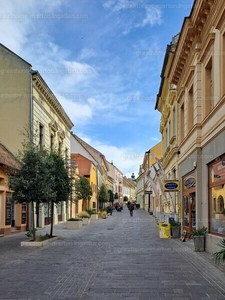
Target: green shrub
[(90, 211), (220, 255), (175, 224), (41, 238), (83, 214), (199, 232), (30, 232)]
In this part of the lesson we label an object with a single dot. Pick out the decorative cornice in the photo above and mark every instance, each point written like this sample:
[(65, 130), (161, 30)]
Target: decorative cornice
[(50, 98), (190, 36)]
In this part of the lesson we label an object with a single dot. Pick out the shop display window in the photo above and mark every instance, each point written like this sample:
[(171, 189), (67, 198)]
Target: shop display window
[(217, 196)]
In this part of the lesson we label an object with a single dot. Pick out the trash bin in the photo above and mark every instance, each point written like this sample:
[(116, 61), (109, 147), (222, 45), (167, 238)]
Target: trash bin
[(164, 230)]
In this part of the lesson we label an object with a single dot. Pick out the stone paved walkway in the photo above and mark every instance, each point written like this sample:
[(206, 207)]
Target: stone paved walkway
[(121, 257)]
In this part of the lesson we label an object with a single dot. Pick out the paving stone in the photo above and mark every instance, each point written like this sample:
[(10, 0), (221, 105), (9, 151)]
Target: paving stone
[(117, 258)]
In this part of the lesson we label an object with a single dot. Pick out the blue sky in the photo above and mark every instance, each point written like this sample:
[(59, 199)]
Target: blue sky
[(102, 59)]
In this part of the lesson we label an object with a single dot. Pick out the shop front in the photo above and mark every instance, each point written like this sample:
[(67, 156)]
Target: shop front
[(13, 215), (216, 172), (189, 202)]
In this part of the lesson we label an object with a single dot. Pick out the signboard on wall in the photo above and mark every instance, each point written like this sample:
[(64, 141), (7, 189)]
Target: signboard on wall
[(171, 185), (189, 182)]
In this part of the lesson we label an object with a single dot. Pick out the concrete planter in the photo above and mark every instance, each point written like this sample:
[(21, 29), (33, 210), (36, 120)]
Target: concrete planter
[(73, 224), (38, 244), (199, 243), (94, 217), (85, 221)]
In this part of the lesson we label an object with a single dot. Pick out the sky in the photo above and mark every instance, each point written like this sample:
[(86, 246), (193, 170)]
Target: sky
[(102, 59)]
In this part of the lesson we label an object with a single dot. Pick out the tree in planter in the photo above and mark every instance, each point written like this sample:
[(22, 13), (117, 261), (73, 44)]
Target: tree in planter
[(103, 196), (33, 181), (125, 199), (111, 196), (83, 190), (61, 182)]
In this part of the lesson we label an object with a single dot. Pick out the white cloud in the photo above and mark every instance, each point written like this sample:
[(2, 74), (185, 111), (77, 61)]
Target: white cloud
[(79, 113), (153, 16), (117, 5), (86, 54)]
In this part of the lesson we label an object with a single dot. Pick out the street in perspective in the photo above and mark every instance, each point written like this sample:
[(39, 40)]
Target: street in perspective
[(120, 257)]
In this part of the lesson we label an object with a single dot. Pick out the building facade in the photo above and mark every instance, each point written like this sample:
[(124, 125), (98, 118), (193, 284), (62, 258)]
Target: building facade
[(13, 216), (117, 176), (167, 105), (88, 170), (151, 157), (197, 74), (29, 110)]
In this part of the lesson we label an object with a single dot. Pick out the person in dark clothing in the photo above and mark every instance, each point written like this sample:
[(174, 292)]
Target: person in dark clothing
[(131, 209)]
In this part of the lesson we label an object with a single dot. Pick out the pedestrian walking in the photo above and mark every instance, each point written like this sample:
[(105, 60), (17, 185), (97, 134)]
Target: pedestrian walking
[(131, 209)]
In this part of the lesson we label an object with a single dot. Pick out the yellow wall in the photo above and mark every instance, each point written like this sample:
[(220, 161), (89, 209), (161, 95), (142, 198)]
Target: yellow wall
[(155, 153), (15, 83), (93, 183)]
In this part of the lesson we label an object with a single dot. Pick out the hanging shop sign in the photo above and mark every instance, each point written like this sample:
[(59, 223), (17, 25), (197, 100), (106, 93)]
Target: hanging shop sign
[(171, 185)]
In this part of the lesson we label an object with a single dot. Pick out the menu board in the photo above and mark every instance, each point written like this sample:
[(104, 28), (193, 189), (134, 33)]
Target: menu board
[(8, 211)]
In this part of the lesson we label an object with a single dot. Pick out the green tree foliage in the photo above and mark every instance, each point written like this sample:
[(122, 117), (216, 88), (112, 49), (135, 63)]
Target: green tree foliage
[(125, 199), (61, 183), (111, 196), (103, 195), (83, 190), (33, 182)]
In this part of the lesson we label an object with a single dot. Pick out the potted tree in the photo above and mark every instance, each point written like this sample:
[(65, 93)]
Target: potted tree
[(220, 255), (85, 217), (74, 223), (198, 237), (175, 229)]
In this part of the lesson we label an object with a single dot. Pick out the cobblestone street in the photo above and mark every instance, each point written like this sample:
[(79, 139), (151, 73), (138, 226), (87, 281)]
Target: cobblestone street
[(121, 257)]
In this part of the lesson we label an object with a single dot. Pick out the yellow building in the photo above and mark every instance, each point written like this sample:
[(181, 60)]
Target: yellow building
[(166, 104), (27, 103), (13, 217), (198, 72), (88, 170)]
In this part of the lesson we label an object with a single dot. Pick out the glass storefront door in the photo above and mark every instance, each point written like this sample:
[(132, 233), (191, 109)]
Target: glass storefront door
[(189, 211)]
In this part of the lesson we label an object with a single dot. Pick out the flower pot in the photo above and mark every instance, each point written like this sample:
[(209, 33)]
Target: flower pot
[(94, 217), (199, 243), (175, 232), (73, 224), (85, 221)]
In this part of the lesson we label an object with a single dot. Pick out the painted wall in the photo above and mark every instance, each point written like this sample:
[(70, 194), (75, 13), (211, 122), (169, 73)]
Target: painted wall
[(15, 97)]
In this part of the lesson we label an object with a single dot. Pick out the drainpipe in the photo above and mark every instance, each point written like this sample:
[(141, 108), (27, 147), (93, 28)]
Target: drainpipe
[(32, 72)]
